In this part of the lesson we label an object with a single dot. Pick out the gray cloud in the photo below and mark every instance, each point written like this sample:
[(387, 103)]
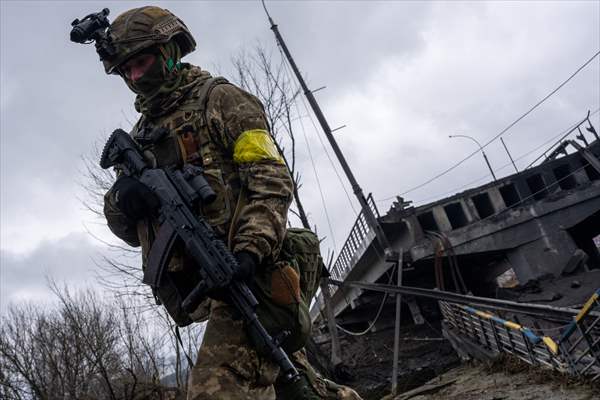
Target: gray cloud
[(480, 67), (68, 260), (401, 75)]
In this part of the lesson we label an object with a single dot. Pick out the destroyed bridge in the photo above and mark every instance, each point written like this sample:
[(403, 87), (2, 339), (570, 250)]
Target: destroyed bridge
[(536, 223)]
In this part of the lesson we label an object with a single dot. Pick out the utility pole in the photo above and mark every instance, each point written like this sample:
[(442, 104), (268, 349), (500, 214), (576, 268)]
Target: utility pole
[(397, 331), (336, 350), (509, 156), (390, 255), (480, 148), (368, 213)]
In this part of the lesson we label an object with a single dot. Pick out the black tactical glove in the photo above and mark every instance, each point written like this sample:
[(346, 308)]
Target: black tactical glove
[(247, 262), (247, 266), (135, 199)]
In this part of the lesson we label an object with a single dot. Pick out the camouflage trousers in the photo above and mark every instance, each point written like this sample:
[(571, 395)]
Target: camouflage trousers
[(318, 387), (229, 368)]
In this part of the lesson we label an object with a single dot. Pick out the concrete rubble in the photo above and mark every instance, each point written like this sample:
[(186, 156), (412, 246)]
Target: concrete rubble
[(531, 237)]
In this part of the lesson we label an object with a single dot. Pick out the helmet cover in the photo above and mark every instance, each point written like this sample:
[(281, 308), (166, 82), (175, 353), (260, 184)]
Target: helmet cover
[(138, 29)]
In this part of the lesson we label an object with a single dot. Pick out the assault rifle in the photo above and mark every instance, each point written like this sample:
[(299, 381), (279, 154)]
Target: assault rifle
[(179, 192)]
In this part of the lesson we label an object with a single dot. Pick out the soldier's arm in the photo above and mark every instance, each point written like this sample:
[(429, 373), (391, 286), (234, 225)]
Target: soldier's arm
[(266, 194), (118, 223)]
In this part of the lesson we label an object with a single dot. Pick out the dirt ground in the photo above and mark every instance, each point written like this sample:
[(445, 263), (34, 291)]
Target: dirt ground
[(429, 369), (506, 380), (368, 359)]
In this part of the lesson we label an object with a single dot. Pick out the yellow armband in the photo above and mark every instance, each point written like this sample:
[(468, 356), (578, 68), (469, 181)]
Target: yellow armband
[(255, 145)]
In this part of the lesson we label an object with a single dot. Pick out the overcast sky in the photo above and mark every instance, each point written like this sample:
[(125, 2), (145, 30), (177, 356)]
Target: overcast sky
[(401, 75)]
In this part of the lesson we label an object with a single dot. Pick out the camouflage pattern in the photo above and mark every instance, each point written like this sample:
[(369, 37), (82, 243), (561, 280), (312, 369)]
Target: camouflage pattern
[(227, 366), (331, 390), (265, 187), (140, 28), (250, 214), (281, 305), (204, 117), (318, 387)]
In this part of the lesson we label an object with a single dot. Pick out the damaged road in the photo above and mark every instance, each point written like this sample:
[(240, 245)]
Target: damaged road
[(505, 379)]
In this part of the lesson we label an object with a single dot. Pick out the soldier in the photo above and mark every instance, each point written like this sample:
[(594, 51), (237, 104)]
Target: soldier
[(222, 128)]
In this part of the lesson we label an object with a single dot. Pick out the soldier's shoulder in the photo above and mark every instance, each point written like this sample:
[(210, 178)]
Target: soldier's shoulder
[(230, 98), (227, 91)]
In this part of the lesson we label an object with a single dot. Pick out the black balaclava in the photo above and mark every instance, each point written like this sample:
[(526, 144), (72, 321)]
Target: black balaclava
[(163, 75)]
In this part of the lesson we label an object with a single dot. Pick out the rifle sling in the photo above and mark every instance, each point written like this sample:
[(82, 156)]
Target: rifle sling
[(180, 342)]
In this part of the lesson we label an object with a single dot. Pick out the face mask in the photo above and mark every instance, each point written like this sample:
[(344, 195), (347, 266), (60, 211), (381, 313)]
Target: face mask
[(151, 81)]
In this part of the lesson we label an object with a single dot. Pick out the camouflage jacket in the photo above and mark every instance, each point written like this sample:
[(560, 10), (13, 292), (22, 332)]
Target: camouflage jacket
[(223, 128)]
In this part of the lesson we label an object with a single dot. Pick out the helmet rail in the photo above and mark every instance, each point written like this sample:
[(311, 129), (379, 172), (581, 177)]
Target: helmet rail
[(130, 33)]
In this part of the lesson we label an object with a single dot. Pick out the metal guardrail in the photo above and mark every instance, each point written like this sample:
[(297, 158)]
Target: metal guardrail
[(358, 234), (501, 336), (580, 342), (576, 351)]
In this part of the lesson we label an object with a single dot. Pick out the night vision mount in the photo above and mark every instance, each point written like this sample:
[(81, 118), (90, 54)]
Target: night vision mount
[(93, 28)]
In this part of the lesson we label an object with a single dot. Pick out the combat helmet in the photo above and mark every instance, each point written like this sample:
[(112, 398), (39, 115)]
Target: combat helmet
[(140, 28)]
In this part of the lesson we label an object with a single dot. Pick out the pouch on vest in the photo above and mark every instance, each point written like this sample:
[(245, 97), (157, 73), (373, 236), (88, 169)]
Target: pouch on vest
[(281, 305), (284, 290), (301, 246), (170, 296)]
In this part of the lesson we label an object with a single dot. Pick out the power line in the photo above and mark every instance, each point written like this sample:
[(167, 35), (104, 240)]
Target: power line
[(312, 161), (312, 121), (325, 209), (309, 115), (288, 77), (542, 190), (501, 132), (557, 135), (379, 310), (455, 190), (567, 133)]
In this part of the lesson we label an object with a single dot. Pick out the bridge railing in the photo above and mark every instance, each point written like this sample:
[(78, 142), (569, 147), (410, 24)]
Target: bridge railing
[(580, 342), (576, 351), (360, 235), (560, 146)]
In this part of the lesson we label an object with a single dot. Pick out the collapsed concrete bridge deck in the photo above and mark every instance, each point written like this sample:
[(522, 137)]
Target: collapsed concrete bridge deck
[(540, 221)]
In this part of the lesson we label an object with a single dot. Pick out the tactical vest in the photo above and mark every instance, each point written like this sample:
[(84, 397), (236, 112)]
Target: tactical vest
[(188, 138), (184, 136)]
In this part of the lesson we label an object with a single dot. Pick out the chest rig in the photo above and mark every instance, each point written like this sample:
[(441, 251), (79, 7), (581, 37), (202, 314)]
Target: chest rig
[(172, 140), (185, 136), (181, 136)]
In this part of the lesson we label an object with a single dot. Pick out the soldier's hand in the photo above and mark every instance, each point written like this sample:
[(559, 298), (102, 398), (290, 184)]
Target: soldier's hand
[(247, 265), (134, 198)]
